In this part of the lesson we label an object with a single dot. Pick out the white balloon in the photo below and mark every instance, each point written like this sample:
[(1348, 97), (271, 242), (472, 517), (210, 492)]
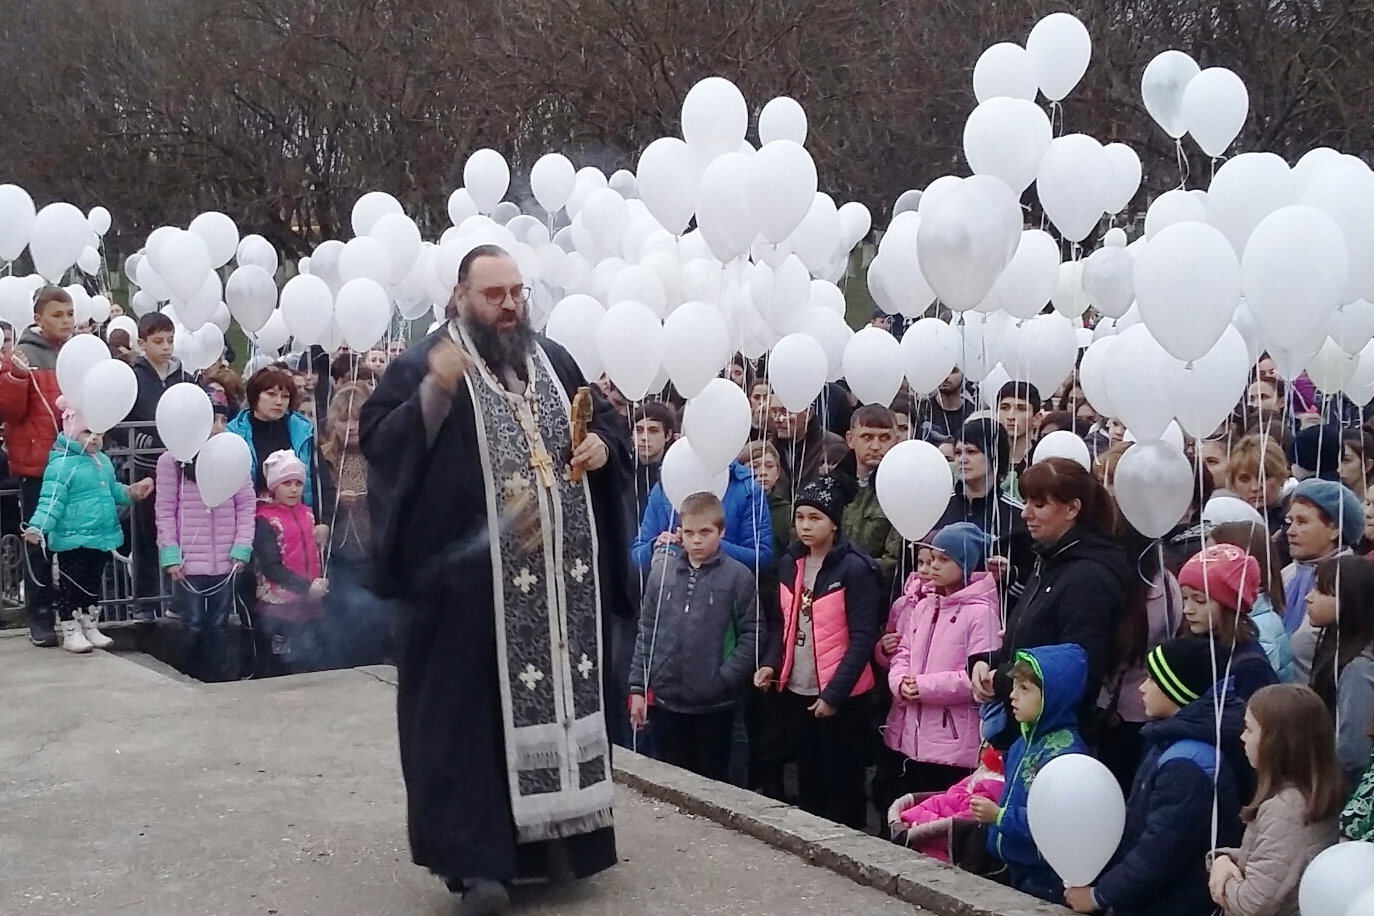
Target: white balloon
[(622, 181), (1331, 368), (1074, 183), (16, 220), (1310, 163), (831, 332), (1063, 444), (186, 264), (324, 263), (1076, 816), (1223, 509), (1345, 192), (1092, 375), (1109, 280), (75, 360), (714, 118), (254, 249), (914, 486), (1030, 278), (552, 180), (573, 324), (717, 422), (1187, 285), (363, 312), (1137, 382), (108, 394), (1215, 105), (1114, 237), (486, 176), (782, 118), (142, 302), (1336, 878), (929, 350), (639, 284), (816, 239), (400, 237), (222, 318), (1352, 325), (873, 366), (1360, 388), (964, 241), (1046, 352), (683, 474), (273, 335), (57, 236), (974, 352), (369, 208), (723, 214), (220, 235), (367, 257), (460, 206), (251, 295), (696, 346), (307, 307), (1173, 207), (630, 342), (1069, 297), (16, 302), (668, 178), (855, 222), (1125, 176), (207, 345), (797, 369), (223, 465), (1006, 138), (1245, 190), (100, 309), (1005, 69), (1294, 272), (1060, 48), (121, 323), (1204, 394), (781, 187), (1162, 87), (606, 217), (185, 418), (899, 275), (88, 261)]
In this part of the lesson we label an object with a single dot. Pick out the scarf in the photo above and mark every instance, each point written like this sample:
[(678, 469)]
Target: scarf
[(547, 595)]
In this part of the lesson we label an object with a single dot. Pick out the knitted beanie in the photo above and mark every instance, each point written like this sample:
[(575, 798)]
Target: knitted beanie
[(1338, 503), (1182, 668), (1317, 450), (822, 494), (281, 467), (966, 544), (1224, 572)]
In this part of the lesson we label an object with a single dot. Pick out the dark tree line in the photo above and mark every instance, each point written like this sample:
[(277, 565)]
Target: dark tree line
[(282, 112)]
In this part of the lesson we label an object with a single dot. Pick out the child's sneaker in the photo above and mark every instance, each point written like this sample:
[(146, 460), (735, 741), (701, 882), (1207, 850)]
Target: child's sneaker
[(73, 640), (88, 629)]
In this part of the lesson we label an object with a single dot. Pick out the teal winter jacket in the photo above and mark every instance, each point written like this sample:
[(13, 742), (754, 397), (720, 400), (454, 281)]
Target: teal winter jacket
[(302, 443), (77, 505)]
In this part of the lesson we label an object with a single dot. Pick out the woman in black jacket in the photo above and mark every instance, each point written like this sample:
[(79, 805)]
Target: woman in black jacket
[(1077, 589)]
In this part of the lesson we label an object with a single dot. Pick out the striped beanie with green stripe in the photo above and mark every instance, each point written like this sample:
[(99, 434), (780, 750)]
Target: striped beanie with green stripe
[(1182, 668)]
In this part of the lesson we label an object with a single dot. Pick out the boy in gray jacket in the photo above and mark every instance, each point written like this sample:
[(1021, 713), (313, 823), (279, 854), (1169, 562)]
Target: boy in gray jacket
[(697, 644)]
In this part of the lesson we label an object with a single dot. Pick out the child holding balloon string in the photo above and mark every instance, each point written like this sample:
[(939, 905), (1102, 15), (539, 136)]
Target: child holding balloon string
[(1290, 743), (203, 548), (77, 517)]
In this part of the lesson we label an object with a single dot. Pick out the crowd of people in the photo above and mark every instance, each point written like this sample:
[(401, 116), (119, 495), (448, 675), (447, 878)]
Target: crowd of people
[(787, 637), (916, 689), (288, 557)]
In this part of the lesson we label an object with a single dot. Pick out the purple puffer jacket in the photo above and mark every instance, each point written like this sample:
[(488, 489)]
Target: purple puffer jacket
[(201, 540)]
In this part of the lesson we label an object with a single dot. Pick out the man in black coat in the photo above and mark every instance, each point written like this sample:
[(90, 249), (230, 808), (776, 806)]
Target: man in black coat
[(472, 472)]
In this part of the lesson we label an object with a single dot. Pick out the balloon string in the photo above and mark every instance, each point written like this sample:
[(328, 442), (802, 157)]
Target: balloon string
[(1183, 166)]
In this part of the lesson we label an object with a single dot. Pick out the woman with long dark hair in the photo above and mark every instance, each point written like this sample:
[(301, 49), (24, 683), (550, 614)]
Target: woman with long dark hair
[(1341, 606), (1077, 590)]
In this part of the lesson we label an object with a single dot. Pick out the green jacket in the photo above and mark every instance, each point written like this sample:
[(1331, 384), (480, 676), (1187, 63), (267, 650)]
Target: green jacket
[(784, 526), (76, 507), (1357, 820), (865, 524)]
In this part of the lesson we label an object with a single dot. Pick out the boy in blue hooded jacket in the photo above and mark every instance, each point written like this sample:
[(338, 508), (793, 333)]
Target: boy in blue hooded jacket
[(1160, 868), (1047, 686)]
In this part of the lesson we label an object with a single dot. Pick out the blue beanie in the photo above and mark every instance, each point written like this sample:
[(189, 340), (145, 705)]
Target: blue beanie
[(1338, 503), (966, 544)]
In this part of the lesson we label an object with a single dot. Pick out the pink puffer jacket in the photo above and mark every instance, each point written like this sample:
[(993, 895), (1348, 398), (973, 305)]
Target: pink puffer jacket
[(201, 540), (938, 636)]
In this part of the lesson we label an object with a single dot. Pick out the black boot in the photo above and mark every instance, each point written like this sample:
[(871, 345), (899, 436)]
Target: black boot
[(42, 629)]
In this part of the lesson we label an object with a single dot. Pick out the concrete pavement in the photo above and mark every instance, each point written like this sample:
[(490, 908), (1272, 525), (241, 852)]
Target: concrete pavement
[(126, 790)]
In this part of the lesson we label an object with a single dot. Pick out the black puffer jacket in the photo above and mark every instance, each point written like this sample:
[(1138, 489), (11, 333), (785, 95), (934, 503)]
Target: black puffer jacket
[(1076, 593)]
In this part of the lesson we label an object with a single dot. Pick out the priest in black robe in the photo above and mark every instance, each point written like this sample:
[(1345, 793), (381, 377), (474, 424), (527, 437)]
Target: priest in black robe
[(506, 550)]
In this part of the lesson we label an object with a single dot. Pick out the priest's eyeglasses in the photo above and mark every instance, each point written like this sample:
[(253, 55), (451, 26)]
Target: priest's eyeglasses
[(496, 295)]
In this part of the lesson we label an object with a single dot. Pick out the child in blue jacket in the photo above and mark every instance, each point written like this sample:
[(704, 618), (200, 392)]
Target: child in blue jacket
[(1160, 868), (1047, 686)]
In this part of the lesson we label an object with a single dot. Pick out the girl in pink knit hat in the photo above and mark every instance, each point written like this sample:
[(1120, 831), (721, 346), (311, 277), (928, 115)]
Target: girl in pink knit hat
[(1219, 587), (291, 583)]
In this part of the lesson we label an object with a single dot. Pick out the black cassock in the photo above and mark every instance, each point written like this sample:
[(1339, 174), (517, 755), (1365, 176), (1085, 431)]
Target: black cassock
[(429, 510)]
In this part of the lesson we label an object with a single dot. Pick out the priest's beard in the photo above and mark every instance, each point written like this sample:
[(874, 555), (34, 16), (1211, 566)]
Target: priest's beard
[(501, 349)]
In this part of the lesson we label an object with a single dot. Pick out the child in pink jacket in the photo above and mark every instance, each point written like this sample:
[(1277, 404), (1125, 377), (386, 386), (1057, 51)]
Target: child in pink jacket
[(931, 738), (203, 550), (925, 825)]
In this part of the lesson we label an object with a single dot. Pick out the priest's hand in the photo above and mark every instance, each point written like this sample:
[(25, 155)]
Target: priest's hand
[(447, 363), (592, 454)]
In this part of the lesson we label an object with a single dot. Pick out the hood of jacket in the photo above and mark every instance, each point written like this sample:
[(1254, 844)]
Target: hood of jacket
[(66, 447), (143, 366), (1085, 542), (980, 585), (1063, 672), (38, 350)]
